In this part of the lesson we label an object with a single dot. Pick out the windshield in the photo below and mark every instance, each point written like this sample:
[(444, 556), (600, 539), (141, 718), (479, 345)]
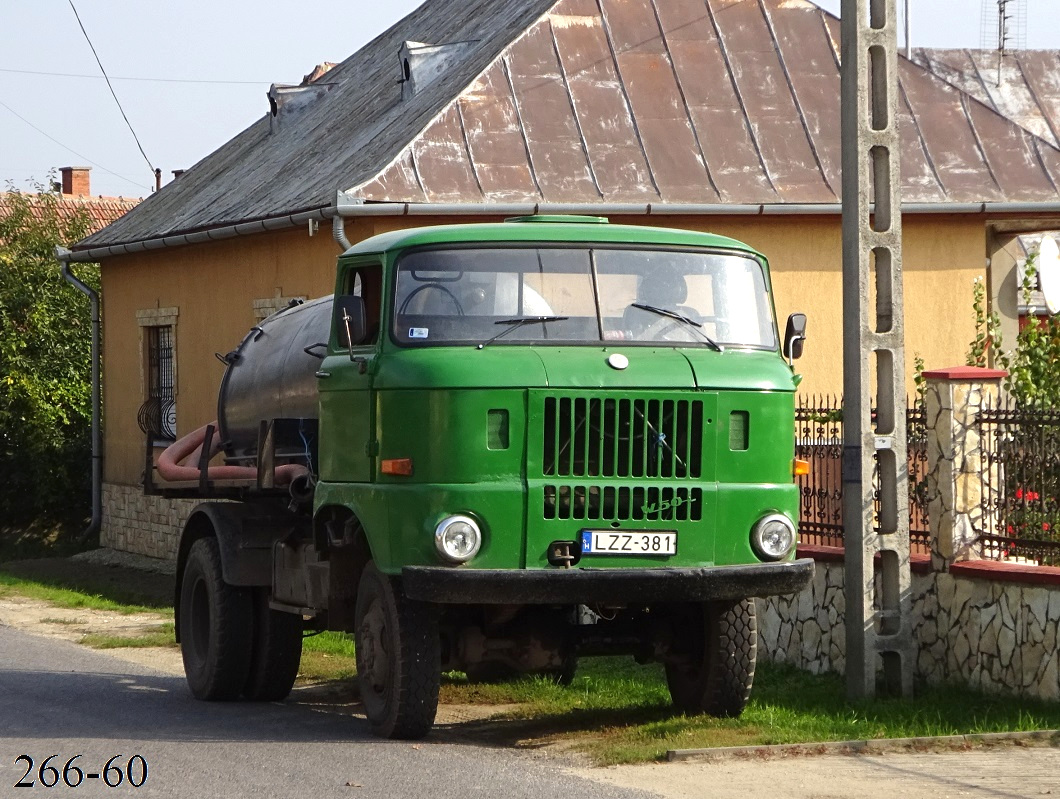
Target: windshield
[(570, 295)]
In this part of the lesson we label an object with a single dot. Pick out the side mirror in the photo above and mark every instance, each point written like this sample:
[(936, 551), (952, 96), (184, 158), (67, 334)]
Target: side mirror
[(794, 336), (350, 324)]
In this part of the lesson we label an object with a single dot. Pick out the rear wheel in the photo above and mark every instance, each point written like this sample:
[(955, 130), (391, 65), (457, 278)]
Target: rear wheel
[(215, 626), (277, 651), (716, 671), (398, 657)]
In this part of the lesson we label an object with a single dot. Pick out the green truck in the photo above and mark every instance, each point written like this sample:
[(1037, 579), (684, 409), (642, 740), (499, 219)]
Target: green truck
[(498, 448)]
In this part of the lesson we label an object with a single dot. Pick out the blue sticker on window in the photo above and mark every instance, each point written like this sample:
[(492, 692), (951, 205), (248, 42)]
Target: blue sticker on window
[(418, 332)]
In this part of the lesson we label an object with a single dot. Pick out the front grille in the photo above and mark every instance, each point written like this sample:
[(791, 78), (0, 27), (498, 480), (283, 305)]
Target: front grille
[(623, 503), (606, 437)]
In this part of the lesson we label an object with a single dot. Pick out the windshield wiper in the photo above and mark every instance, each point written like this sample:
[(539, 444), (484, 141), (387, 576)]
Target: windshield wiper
[(696, 326), (515, 324)]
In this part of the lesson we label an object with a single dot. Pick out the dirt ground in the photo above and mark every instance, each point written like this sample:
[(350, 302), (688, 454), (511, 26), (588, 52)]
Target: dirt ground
[(1004, 771)]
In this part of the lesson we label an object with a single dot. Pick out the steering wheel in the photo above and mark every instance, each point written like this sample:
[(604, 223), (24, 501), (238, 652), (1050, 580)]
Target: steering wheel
[(437, 287), (662, 329)]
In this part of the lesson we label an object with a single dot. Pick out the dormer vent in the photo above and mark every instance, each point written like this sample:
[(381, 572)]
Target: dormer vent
[(287, 101), (422, 64)]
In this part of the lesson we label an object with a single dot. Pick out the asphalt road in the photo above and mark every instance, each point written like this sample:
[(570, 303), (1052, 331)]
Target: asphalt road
[(57, 698)]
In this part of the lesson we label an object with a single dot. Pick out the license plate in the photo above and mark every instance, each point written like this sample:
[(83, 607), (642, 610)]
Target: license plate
[(628, 542)]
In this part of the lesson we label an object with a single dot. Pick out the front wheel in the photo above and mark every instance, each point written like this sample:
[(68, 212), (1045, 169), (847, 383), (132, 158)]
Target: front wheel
[(714, 673), (398, 657), (215, 626)]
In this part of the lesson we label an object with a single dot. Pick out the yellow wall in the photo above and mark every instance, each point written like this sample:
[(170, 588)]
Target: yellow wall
[(213, 286), (941, 257)]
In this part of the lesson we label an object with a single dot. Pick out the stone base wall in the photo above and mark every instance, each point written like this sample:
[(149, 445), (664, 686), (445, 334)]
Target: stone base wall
[(991, 634), (133, 522), (807, 629), (997, 636)]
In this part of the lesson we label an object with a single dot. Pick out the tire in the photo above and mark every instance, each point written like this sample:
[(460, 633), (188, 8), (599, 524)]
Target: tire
[(215, 626), (276, 651), (716, 675), (398, 657), (564, 675)]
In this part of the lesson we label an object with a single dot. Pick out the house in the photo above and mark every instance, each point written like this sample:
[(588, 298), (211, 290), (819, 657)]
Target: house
[(74, 197), (718, 115), (1024, 86)]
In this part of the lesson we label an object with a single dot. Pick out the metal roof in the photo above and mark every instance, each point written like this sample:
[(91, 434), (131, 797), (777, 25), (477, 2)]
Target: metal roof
[(1023, 86), (595, 101)]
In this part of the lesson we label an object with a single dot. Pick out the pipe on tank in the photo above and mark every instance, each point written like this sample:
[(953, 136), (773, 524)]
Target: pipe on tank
[(174, 464), (302, 488), (64, 256)]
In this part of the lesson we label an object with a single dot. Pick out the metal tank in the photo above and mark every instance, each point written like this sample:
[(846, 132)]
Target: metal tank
[(270, 376)]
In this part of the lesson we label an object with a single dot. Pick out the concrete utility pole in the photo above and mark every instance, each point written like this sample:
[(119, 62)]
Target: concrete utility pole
[(877, 621)]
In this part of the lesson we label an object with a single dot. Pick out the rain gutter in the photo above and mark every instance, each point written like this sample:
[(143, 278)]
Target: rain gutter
[(347, 207), (65, 256)]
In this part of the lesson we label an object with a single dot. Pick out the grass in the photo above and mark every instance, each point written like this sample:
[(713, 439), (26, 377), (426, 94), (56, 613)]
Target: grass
[(615, 711), (159, 635), (48, 591), (327, 656), (618, 712)]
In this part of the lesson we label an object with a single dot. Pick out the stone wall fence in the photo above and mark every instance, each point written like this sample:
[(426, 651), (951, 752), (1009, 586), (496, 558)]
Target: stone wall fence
[(991, 625)]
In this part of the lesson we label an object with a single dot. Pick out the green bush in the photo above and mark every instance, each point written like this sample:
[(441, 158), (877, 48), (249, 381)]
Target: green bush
[(45, 392)]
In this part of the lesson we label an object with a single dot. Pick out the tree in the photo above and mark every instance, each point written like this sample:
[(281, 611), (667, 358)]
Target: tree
[(45, 392), (1034, 363)]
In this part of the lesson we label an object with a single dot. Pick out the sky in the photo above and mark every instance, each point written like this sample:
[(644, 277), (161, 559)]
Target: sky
[(203, 67)]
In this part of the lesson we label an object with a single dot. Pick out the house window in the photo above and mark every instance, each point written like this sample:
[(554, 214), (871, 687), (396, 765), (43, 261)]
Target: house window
[(160, 379), (158, 414)]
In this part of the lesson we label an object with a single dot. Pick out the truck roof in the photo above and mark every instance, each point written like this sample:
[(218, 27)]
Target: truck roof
[(544, 228)]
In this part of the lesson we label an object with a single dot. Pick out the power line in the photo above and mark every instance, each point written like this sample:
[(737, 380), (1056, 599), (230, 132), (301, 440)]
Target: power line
[(111, 87), (148, 80), (70, 149)]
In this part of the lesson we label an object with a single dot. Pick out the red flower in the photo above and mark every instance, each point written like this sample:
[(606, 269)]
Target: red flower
[(1019, 493), (1045, 526)]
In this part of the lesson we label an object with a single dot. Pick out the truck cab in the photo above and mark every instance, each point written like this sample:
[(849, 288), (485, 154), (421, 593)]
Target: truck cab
[(523, 443)]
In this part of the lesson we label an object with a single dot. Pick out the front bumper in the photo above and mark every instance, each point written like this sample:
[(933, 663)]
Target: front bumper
[(613, 586)]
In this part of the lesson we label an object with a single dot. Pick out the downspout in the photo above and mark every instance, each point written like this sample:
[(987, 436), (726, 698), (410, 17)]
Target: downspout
[(338, 232), (64, 255)]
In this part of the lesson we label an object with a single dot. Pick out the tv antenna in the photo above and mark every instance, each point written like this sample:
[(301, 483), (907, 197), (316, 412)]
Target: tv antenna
[(1003, 28)]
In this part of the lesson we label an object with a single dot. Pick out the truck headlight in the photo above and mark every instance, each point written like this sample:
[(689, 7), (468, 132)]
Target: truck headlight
[(457, 538), (773, 537)]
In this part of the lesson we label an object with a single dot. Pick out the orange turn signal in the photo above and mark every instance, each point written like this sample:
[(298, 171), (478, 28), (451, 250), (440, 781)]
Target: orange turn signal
[(801, 467), (402, 467)]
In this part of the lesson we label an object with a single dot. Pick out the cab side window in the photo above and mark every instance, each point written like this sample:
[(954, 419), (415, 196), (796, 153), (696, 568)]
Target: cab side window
[(367, 283)]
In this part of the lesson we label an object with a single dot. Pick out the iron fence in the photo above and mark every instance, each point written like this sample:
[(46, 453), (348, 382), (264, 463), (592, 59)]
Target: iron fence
[(1020, 463), (819, 440)]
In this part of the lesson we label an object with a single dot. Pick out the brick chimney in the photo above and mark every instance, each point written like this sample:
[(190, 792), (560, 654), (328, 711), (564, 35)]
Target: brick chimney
[(76, 180)]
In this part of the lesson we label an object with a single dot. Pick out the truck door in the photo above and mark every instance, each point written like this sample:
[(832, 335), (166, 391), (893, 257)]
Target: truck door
[(347, 440)]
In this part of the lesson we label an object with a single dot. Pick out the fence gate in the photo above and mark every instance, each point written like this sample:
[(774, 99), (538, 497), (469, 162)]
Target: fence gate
[(1020, 466)]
